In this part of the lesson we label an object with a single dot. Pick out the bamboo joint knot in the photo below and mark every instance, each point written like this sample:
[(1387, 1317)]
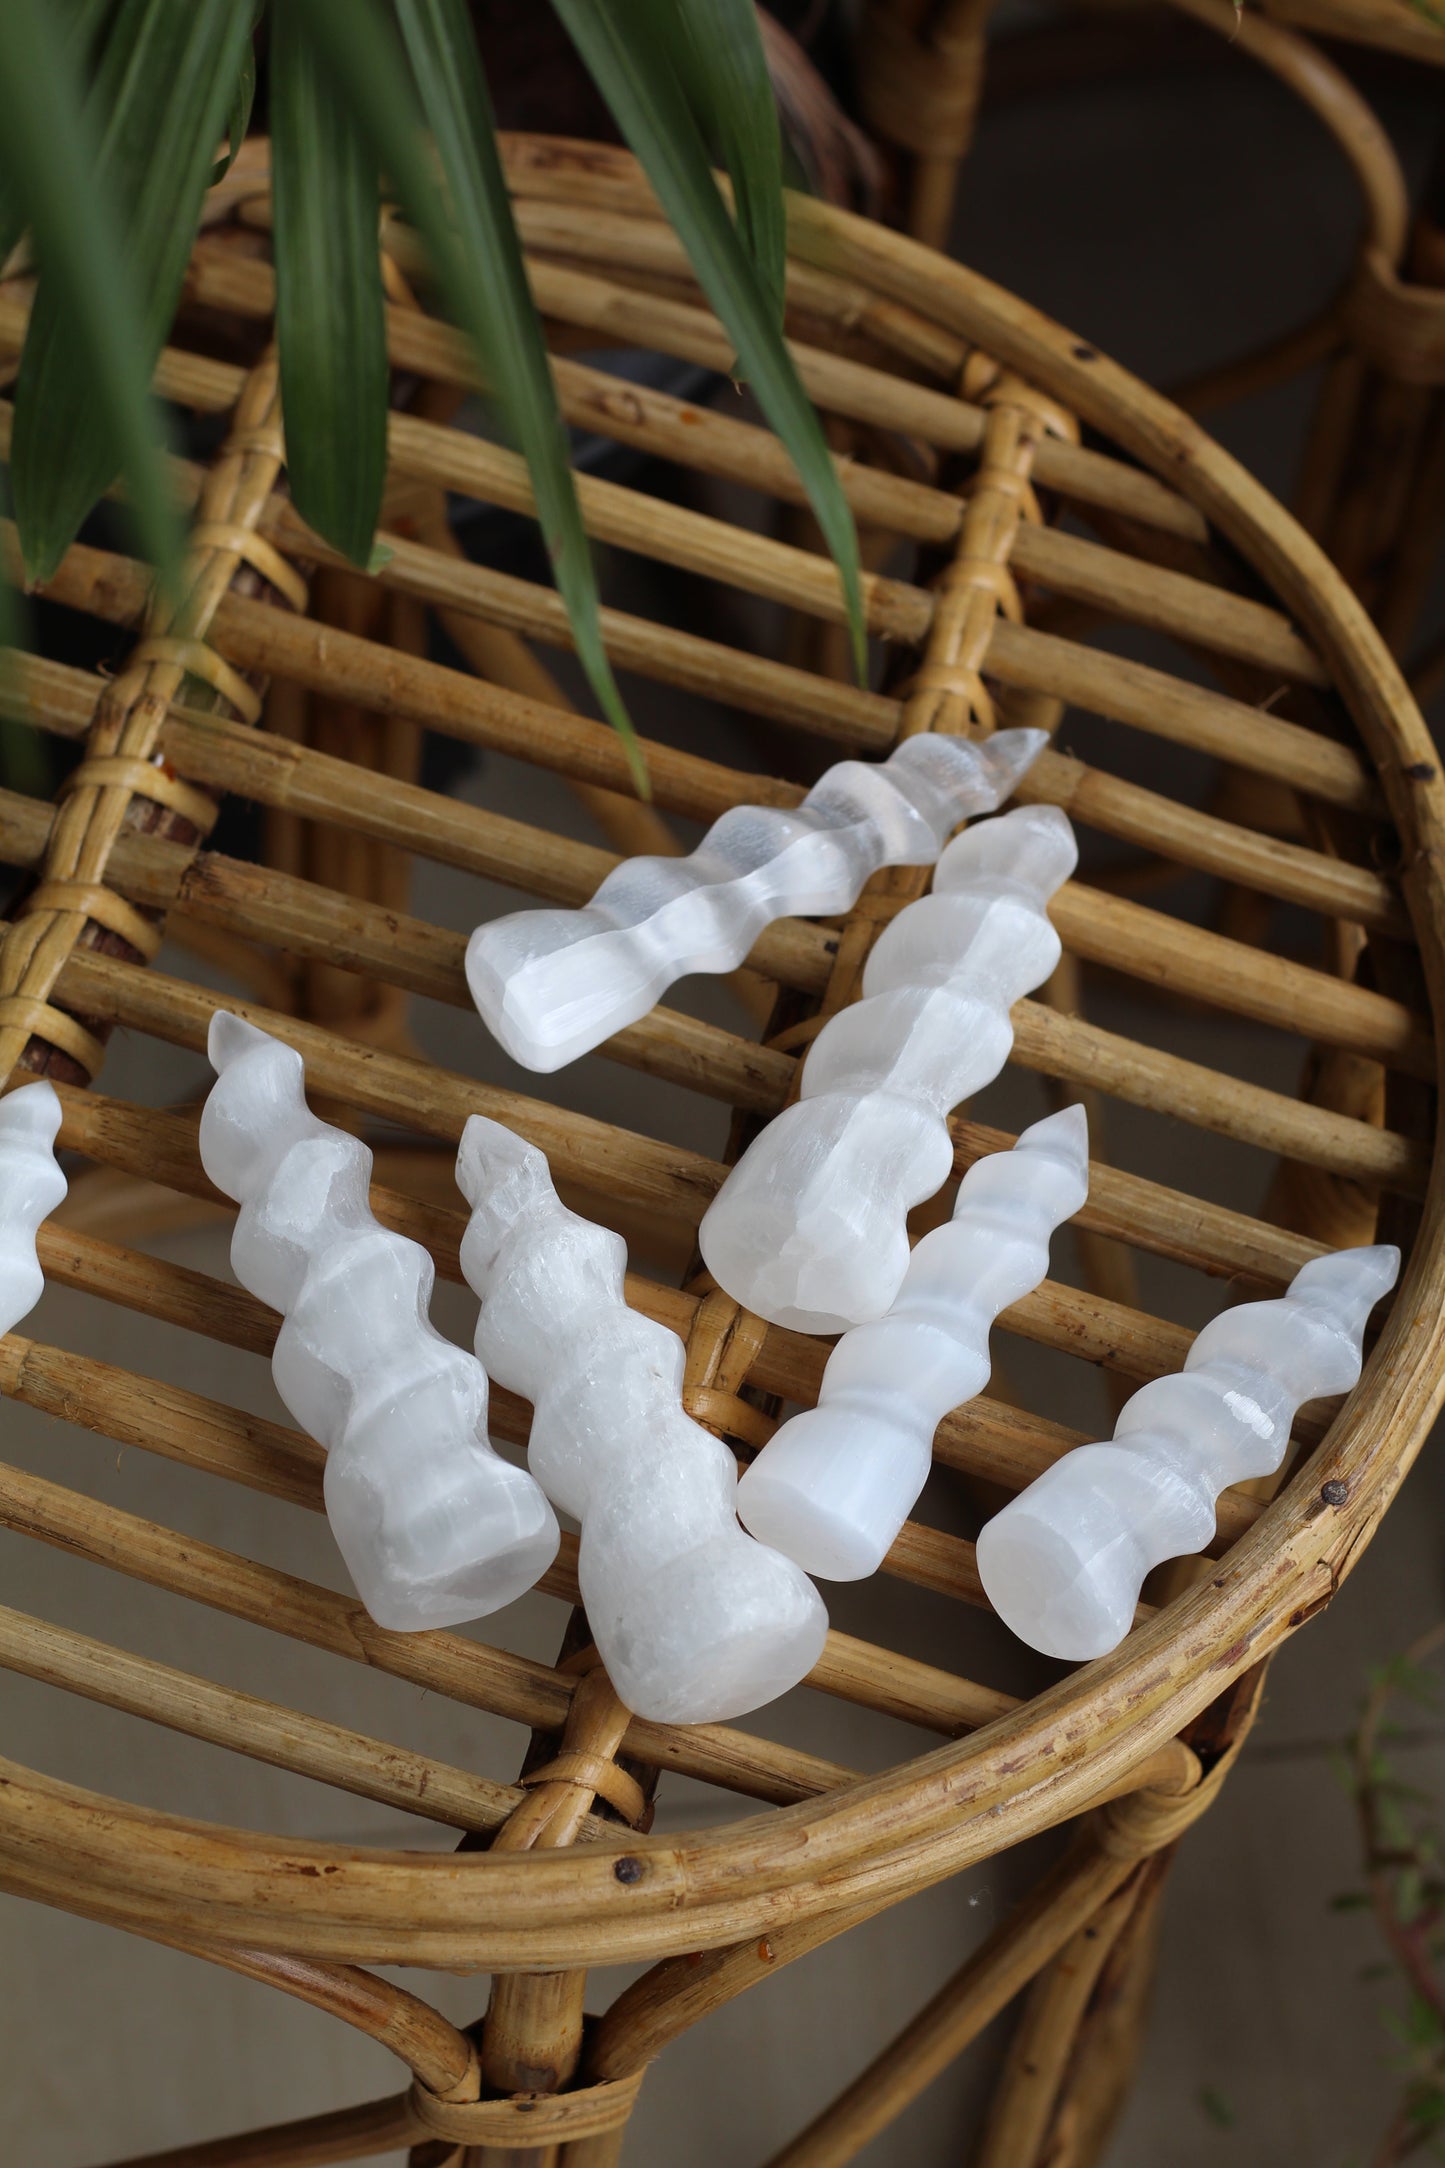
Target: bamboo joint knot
[(723, 1343), (1144, 1822), (525, 2120), (599, 1776), (71, 906), (1397, 325), (947, 692)]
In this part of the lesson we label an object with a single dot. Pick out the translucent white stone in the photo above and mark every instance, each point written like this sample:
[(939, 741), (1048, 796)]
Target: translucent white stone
[(1064, 1562), (31, 1186), (693, 1619), (833, 1487), (809, 1229), (551, 985), (435, 1528)]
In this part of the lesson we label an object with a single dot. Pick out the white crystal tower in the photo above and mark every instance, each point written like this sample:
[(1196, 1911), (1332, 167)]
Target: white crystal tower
[(1064, 1562), (833, 1487), (693, 1619), (809, 1229), (435, 1528), (31, 1186), (551, 985)]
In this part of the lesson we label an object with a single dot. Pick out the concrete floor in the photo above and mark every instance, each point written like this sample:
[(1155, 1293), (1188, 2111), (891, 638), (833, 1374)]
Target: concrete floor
[(1265, 2046)]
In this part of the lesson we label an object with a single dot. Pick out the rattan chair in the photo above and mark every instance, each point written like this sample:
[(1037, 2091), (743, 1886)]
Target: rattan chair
[(1372, 482), (976, 396)]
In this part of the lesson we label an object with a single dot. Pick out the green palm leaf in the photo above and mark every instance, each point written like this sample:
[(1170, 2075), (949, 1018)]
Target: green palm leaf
[(90, 343), (80, 20), (717, 50), (637, 77), (159, 103), (239, 118), (474, 247), (330, 310), (359, 84)]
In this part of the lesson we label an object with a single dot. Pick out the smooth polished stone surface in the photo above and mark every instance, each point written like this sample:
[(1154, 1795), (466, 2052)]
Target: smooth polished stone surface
[(551, 985), (31, 1186), (434, 1526), (1064, 1562), (694, 1620), (810, 1228), (833, 1487)]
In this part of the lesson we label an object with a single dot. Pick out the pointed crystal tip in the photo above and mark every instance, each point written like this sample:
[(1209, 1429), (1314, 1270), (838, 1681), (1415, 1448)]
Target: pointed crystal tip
[(487, 1154), (33, 1109), (1368, 1271), (1009, 754), (1382, 1259), (1031, 844), (1065, 1133), (230, 1037)]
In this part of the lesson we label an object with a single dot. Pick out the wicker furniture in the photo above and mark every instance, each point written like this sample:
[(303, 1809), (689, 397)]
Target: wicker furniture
[(1372, 484), (968, 400)]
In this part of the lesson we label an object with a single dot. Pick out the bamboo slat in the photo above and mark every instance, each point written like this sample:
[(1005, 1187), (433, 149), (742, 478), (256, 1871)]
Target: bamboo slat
[(987, 1439), (56, 698), (1083, 1055), (210, 1436), (262, 1730), (626, 1165), (714, 443), (405, 952), (1128, 692), (490, 1679), (1167, 1222), (849, 389)]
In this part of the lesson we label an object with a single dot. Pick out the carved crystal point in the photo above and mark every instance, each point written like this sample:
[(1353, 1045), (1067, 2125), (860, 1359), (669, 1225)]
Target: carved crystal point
[(693, 1619), (834, 1486), (435, 1528), (1064, 1562), (31, 1186), (809, 1229), (551, 985)]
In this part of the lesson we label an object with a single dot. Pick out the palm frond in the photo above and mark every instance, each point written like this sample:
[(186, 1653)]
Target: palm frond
[(474, 247), (360, 87), (717, 50), (635, 74), (83, 410), (330, 309)]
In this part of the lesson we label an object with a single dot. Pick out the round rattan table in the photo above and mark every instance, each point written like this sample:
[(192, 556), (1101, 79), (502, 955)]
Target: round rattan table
[(1003, 541)]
